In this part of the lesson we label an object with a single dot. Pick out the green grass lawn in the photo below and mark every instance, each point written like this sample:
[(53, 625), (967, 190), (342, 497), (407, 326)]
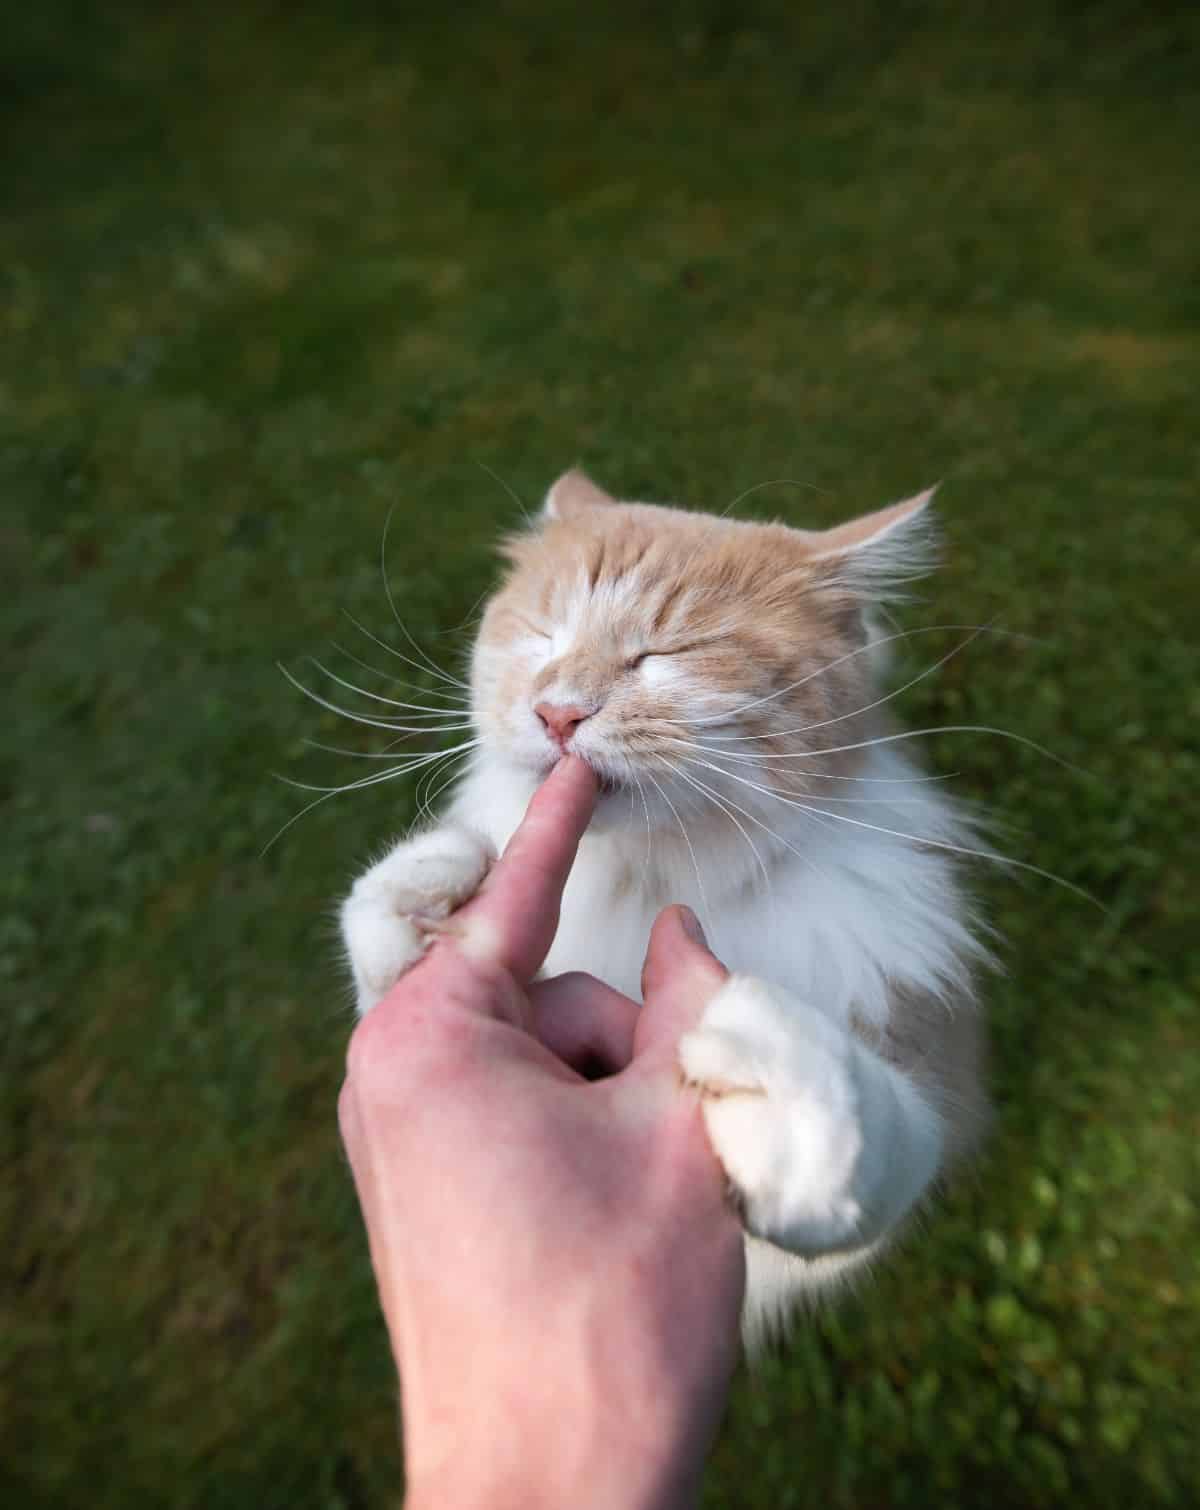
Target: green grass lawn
[(269, 271)]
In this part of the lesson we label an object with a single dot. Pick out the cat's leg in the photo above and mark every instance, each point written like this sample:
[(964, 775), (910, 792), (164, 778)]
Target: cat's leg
[(385, 918), (826, 1144)]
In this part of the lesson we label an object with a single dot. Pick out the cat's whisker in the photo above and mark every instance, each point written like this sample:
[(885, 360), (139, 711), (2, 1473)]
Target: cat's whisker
[(629, 790), (451, 773), (869, 801), (454, 696), (432, 665), (408, 660), (790, 800), (646, 810), (400, 769), (695, 744), (376, 697), (295, 818), (708, 915), (811, 676), (887, 698), (404, 738), (357, 718), (469, 622), (883, 739), (848, 656), (500, 482), (923, 841), (771, 482), (425, 795), (386, 754), (349, 786), (868, 707), (770, 832), (719, 804), (326, 793)]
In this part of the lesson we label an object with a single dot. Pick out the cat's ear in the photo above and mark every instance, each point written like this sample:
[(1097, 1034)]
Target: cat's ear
[(878, 553), (573, 494)]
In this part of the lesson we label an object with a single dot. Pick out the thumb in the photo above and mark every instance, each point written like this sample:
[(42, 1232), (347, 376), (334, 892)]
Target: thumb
[(679, 976)]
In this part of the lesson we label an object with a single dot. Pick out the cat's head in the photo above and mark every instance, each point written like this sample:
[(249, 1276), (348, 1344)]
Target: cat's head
[(685, 655)]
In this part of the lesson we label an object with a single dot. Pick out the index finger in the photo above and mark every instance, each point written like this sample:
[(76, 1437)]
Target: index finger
[(511, 921)]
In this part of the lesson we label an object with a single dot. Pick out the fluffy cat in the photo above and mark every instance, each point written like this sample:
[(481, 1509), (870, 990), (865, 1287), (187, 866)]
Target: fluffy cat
[(721, 678)]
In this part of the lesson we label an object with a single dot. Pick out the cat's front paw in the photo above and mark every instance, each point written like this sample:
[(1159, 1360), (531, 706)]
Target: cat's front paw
[(781, 1105), (386, 916)]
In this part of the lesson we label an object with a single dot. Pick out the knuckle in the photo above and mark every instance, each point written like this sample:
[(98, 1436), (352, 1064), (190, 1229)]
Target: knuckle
[(373, 1047), (434, 1018)]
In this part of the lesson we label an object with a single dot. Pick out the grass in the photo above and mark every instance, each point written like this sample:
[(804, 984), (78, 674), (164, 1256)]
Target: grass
[(269, 272)]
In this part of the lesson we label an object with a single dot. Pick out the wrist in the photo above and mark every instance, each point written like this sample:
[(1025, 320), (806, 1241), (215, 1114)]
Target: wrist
[(607, 1482), (590, 1459)]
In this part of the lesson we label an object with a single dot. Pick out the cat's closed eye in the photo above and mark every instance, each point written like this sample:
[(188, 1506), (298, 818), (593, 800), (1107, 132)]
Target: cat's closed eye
[(663, 652)]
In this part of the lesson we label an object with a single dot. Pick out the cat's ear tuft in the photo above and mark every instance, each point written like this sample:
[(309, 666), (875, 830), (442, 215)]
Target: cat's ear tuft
[(573, 494), (876, 554)]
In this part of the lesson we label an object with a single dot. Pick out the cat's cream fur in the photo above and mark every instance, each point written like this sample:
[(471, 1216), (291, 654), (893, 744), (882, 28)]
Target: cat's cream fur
[(724, 676)]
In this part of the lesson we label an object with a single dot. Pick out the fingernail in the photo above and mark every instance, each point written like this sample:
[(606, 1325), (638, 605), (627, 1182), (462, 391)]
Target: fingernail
[(690, 924)]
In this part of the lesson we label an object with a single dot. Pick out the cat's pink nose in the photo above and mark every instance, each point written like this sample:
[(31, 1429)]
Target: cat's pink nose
[(560, 720)]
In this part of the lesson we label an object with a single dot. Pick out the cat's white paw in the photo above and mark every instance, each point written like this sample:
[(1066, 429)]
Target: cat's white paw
[(422, 878), (781, 1105)]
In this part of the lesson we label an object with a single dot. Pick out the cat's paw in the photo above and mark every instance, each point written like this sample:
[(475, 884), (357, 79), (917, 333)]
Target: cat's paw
[(781, 1105), (385, 918)]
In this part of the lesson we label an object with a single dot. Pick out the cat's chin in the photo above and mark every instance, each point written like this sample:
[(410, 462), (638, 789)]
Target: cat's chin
[(612, 810)]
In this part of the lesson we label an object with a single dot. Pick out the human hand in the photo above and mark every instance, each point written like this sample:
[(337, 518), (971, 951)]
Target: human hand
[(559, 1270)]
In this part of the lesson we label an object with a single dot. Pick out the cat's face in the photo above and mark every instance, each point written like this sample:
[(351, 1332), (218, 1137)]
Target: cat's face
[(684, 655)]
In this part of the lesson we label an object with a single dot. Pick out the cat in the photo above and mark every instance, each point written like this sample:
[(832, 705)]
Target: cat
[(721, 677)]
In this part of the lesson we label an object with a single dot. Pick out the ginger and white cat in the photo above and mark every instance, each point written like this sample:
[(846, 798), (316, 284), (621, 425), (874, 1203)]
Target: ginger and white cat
[(721, 678)]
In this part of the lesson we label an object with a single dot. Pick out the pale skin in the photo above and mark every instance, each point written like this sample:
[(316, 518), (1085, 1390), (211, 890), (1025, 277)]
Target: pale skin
[(559, 1268)]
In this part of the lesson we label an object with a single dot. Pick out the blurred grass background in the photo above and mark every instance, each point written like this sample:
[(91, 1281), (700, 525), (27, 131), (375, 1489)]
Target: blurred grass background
[(269, 270)]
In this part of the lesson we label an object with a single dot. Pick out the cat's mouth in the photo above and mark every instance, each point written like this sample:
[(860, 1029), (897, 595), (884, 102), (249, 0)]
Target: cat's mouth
[(607, 784)]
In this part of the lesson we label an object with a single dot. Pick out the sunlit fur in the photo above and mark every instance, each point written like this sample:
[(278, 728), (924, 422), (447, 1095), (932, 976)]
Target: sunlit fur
[(750, 770)]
